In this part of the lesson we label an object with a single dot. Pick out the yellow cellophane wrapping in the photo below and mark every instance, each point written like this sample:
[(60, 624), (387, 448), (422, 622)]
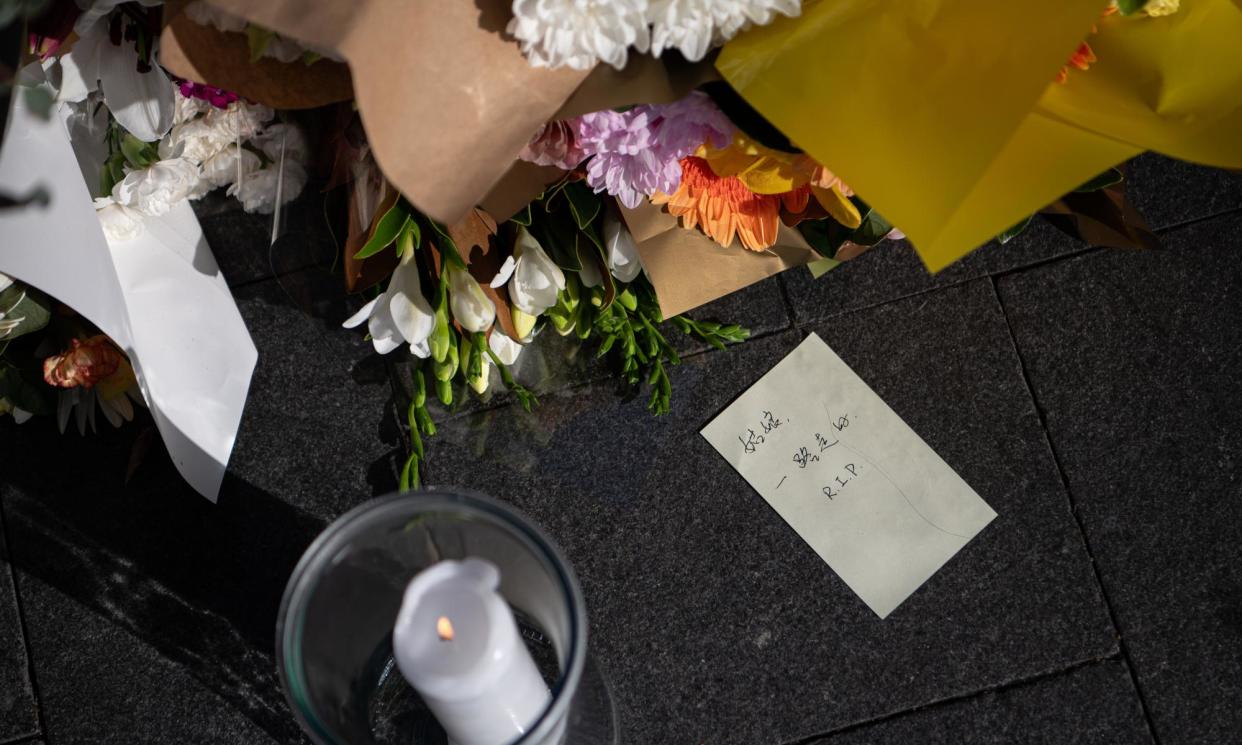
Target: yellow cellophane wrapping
[(943, 116)]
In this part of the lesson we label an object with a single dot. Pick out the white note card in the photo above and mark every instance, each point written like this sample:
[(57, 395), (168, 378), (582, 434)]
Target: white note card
[(848, 475)]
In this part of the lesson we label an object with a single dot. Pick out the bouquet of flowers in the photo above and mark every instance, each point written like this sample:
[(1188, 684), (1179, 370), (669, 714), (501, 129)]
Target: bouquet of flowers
[(596, 169)]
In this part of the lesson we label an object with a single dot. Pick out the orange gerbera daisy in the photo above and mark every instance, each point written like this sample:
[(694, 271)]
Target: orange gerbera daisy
[(724, 208), (1083, 56)]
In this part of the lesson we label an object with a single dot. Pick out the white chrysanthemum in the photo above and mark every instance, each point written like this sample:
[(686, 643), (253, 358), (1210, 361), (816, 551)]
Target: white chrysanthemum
[(579, 33), (695, 26)]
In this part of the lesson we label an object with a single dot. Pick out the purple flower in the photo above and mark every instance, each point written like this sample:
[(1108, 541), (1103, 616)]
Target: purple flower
[(636, 153)]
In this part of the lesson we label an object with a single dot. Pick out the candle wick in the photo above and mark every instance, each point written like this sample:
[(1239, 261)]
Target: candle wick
[(444, 628)]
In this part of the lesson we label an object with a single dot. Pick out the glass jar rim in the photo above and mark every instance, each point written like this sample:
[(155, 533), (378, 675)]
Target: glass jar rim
[(430, 499)]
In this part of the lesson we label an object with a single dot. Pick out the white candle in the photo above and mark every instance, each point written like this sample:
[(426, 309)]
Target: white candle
[(457, 643)]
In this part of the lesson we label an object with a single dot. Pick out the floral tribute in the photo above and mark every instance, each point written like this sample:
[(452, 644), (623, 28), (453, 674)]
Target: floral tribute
[(460, 303)]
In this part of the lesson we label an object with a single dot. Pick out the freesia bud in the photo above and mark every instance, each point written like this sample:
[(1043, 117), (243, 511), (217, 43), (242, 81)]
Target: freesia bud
[(473, 309), (523, 323), (623, 258)]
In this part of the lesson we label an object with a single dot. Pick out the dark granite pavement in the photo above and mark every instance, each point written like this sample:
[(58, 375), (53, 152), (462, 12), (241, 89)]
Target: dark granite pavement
[(1089, 396)]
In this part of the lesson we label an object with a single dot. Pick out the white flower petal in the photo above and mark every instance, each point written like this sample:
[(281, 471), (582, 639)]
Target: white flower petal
[(76, 73), (506, 349), (142, 102), (471, 307), (623, 259), (363, 314), (506, 271)]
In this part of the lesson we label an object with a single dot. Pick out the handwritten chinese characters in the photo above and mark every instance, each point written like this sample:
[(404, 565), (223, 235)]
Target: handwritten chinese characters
[(752, 439)]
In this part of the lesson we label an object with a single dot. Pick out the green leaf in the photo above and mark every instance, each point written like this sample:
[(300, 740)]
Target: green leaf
[(29, 308), (1103, 181), (559, 237), (1130, 7), (523, 217), (1014, 231), (139, 154), (23, 394), (448, 246), (582, 203), (258, 38), (386, 230), (825, 236), (872, 230)]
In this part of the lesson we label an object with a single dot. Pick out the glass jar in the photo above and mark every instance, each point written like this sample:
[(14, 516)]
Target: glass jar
[(334, 634)]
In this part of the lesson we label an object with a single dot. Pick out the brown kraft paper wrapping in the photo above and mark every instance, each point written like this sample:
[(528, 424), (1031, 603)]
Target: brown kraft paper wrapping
[(446, 98), (688, 269), (207, 55)]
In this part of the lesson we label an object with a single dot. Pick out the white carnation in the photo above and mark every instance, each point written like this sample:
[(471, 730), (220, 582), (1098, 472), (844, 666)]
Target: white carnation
[(695, 26), (153, 191), (119, 223), (230, 165), (240, 120), (209, 15), (257, 191), (189, 107), (194, 140), (578, 33), (274, 137)]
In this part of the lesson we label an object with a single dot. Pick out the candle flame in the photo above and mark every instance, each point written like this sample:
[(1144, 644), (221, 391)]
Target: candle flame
[(444, 627)]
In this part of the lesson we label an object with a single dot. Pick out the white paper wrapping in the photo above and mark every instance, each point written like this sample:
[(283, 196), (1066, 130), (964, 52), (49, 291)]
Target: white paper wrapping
[(160, 296)]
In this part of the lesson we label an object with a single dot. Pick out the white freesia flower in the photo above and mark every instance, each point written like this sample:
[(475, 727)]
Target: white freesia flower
[(695, 26), (401, 314), (231, 164), (578, 33), (623, 259), (274, 137), (142, 102), (258, 191), (119, 223), (154, 190), (536, 279), (506, 349), (471, 307)]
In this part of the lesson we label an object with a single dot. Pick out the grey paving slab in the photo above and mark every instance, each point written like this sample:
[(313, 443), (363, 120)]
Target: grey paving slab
[(714, 620), (319, 428), (1134, 359), (99, 684), (1168, 191), (145, 569), (242, 242), (1092, 705), (18, 709), (893, 270), (760, 307)]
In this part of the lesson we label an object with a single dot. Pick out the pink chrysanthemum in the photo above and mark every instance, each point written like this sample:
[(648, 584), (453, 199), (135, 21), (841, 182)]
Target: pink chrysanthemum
[(636, 153)]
